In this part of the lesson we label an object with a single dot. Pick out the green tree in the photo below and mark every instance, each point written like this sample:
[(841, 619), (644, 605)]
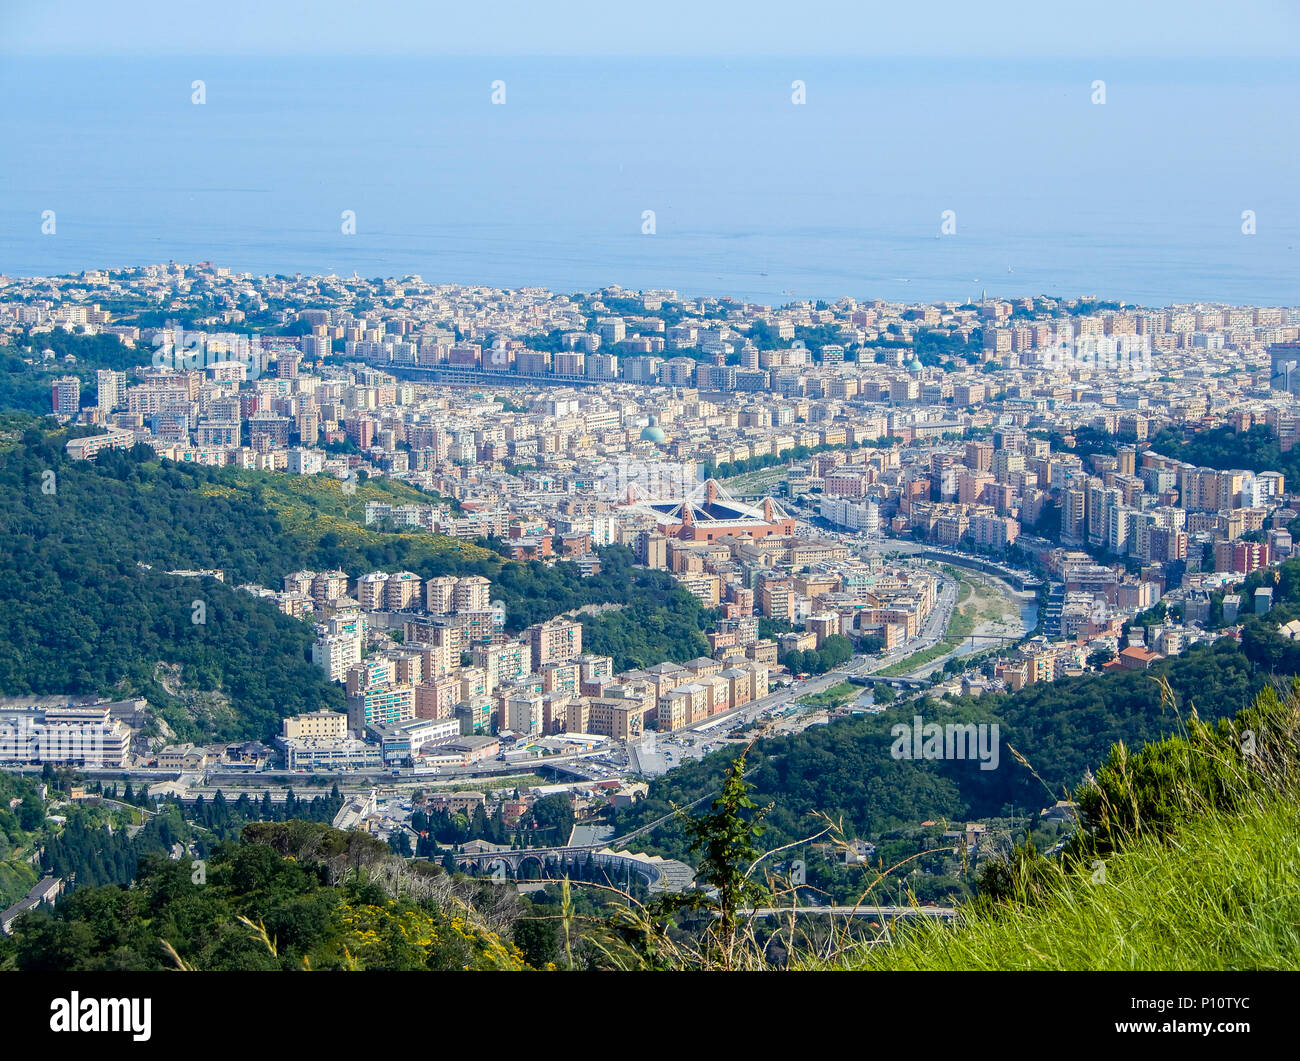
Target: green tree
[(1100, 658), (836, 649), (538, 939), (31, 812), (552, 816), (726, 837)]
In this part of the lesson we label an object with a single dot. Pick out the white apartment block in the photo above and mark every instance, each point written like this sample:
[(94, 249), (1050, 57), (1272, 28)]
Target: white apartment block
[(77, 735), (335, 653)]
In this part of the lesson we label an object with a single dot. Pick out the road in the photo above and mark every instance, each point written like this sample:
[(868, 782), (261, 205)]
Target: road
[(353, 778), (931, 632), (600, 764)]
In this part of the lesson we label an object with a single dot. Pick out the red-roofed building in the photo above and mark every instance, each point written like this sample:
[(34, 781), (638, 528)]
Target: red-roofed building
[(1137, 658)]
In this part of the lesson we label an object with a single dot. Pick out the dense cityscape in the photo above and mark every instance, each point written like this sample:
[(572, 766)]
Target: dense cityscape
[(713, 488), (866, 499)]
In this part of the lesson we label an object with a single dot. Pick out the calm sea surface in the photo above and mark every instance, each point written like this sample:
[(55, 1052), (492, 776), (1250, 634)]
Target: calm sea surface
[(1138, 200)]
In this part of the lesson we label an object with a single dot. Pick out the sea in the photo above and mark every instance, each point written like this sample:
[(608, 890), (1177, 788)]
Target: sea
[(768, 180)]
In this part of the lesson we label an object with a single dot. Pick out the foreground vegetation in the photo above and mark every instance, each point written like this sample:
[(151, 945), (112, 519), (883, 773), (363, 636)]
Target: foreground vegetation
[(1186, 859), (294, 895), (845, 772), (1225, 896)]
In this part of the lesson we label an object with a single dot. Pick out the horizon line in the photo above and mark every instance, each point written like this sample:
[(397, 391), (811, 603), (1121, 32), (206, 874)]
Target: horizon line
[(1123, 303)]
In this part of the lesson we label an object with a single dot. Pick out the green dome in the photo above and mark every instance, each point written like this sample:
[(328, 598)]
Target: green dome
[(653, 432), (915, 366)]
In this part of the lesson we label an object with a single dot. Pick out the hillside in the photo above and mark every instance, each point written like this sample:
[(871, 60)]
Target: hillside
[(17, 825), (1182, 856), (90, 608), (255, 526), (845, 772), (1187, 860), (1226, 896), (293, 895), (82, 615), (25, 387)]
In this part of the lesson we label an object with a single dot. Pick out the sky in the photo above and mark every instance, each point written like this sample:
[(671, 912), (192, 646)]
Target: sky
[(1080, 29)]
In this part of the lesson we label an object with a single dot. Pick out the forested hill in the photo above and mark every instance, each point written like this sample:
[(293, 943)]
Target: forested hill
[(845, 770), (82, 616), (255, 526), (293, 895), (1256, 449)]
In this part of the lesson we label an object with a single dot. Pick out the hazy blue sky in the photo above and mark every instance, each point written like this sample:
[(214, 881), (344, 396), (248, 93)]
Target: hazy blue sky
[(1051, 28)]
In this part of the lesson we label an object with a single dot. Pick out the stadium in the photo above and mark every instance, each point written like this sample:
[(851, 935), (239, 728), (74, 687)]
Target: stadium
[(709, 512)]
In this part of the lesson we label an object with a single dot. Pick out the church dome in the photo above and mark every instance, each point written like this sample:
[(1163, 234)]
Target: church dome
[(653, 432)]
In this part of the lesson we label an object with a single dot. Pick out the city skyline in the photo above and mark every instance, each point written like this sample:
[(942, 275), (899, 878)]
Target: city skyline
[(1101, 297), (574, 487)]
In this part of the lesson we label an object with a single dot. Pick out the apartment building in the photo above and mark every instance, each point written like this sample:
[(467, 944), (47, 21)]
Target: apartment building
[(75, 735), (554, 641)]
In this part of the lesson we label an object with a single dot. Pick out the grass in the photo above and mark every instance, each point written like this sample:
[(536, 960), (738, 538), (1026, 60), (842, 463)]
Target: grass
[(976, 601), (16, 879), (1185, 858), (311, 505), (488, 784), (759, 479), (1224, 895), (964, 590), (916, 659), (12, 426), (962, 625), (832, 697)]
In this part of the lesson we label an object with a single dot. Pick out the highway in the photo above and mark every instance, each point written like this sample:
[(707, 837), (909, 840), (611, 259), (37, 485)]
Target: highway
[(931, 631), (667, 751), (260, 780)]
